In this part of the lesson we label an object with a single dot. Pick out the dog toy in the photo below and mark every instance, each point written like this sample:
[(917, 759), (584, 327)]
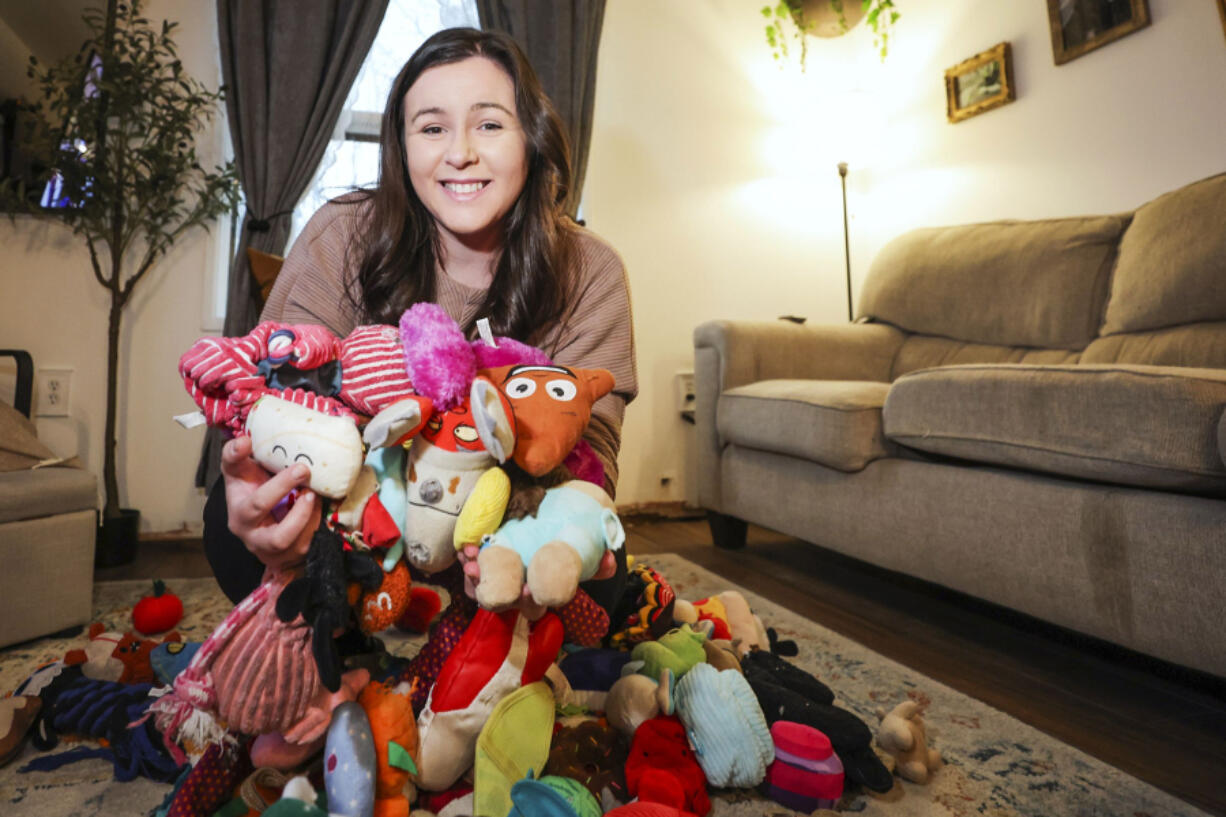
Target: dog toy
[(902, 733), (726, 726), (118, 657), (498, 653), (551, 552), (393, 729), (806, 774), (662, 769), (157, 613)]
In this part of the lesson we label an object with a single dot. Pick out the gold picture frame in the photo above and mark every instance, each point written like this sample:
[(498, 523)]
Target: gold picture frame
[(1080, 26), (981, 83)]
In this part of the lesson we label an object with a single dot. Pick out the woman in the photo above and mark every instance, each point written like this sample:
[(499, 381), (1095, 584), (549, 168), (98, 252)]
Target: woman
[(468, 215)]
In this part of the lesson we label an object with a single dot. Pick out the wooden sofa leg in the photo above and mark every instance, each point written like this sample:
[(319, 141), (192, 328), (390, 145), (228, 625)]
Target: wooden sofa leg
[(727, 532)]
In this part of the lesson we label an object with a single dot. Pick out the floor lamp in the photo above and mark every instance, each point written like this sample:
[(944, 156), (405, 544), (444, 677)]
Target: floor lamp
[(846, 241)]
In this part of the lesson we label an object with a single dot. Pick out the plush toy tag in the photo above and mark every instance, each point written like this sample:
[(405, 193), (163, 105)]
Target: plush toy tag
[(398, 757), (483, 329), (190, 420)]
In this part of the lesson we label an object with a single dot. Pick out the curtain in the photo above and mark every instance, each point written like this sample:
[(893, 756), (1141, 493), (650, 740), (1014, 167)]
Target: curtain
[(287, 66), (561, 40)]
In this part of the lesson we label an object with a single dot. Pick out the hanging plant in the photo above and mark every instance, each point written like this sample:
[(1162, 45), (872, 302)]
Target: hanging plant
[(795, 19)]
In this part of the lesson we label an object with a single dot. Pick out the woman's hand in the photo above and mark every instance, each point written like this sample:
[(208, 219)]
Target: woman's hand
[(251, 497)]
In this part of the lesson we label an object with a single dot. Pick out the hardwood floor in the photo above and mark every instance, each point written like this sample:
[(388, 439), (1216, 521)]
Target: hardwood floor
[(1157, 722)]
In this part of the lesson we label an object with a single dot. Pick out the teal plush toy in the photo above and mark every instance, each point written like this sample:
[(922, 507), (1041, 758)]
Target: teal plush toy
[(561, 546), (725, 725), (677, 651)]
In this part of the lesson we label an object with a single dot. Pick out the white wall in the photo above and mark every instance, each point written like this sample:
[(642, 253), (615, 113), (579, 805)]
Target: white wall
[(713, 171), (53, 307)]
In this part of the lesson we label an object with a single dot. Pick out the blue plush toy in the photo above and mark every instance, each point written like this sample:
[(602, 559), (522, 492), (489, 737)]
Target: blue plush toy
[(558, 548)]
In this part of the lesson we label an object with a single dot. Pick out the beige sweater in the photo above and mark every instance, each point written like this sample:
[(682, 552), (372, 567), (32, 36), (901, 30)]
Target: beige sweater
[(596, 333)]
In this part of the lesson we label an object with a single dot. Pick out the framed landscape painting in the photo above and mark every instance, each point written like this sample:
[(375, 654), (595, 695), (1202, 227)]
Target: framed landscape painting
[(1080, 26), (978, 84)]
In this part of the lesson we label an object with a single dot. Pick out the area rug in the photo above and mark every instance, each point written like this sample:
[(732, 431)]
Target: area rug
[(994, 764)]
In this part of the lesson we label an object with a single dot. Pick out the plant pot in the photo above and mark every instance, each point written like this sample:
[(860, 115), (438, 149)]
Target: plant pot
[(824, 19), (117, 538)]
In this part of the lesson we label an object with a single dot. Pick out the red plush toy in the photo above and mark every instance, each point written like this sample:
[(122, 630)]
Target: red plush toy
[(157, 613), (662, 768)]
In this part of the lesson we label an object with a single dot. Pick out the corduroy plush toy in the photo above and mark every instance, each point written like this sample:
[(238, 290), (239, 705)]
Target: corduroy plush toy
[(725, 725)]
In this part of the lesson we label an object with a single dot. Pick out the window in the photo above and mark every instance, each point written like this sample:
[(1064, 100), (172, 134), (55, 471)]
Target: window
[(352, 157)]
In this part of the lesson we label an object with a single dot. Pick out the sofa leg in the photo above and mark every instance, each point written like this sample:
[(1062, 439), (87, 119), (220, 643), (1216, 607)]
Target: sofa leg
[(727, 532)]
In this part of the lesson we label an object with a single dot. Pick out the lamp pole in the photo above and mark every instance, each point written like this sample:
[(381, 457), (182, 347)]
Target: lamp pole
[(846, 241)]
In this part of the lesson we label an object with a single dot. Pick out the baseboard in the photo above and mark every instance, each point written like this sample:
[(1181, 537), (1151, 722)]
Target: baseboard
[(662, 510)]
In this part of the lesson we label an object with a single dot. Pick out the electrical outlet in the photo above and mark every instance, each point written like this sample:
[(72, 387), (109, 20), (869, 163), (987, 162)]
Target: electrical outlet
[(54, 391), (685, 391)]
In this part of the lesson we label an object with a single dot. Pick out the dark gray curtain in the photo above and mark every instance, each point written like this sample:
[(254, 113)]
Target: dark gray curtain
[(287, 66), (561, 40)]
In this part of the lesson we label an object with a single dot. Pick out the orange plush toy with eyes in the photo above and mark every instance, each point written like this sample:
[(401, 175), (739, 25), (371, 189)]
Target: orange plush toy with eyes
[(534, 415)]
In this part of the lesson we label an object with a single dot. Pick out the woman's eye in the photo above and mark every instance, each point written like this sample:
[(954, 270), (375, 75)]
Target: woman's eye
[(520, 387), (432, 130), (561, 390), (490, 126)]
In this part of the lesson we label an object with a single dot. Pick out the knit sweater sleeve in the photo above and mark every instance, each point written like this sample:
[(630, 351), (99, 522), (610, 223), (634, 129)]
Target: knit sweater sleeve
[(597, 333), (310, 287)]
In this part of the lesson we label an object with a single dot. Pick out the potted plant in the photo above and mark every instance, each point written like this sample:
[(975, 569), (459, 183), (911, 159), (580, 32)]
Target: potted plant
[(114, 130), (826, 18)]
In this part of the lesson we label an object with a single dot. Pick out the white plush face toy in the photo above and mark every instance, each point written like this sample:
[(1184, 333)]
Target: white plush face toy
[(285, 433)]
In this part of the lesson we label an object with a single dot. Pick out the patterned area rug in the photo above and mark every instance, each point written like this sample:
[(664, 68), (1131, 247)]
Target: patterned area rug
[(994, 765)]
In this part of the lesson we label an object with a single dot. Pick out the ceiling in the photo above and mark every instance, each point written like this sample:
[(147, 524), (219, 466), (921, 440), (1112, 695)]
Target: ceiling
[(52, 29)]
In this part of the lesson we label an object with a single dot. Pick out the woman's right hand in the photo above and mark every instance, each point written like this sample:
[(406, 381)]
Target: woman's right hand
[(251, 496)]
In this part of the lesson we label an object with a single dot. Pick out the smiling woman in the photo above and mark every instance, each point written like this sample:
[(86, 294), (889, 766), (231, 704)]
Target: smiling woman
[(467, 160), (468, 213)]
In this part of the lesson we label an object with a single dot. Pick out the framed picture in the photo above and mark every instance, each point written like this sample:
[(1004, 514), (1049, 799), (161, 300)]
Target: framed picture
[(978, 84), (1080, 26)]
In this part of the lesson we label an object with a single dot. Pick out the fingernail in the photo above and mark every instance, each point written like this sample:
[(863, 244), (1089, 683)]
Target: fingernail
[(299, 471)]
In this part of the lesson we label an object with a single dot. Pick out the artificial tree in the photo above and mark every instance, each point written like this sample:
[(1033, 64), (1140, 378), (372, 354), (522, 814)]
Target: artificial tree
[(114, 129)]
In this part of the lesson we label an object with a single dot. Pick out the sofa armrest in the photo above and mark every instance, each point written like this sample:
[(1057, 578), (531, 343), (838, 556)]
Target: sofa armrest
[(735, 353)]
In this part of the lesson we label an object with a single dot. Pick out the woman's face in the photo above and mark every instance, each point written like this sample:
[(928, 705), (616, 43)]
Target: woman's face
[(466, 151)]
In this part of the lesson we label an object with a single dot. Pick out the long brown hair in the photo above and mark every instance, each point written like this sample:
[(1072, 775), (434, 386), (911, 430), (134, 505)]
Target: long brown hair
[(397, 249)]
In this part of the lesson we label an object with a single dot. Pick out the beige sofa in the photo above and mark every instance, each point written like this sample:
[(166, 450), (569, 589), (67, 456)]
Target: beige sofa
[(48, 524), (1029, 412)]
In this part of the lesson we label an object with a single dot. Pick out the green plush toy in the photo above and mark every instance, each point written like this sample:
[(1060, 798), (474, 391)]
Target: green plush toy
[(677, 651)]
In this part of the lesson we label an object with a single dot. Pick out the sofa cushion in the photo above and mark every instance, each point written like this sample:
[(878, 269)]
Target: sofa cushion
[(45, 492), (1005, 283), (1147, 426), (927, 351), (833, 422), (1201, 345), (1171, 262)]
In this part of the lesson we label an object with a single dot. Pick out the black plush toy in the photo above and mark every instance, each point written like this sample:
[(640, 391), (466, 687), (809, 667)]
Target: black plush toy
[(319, 595), (788, 693)]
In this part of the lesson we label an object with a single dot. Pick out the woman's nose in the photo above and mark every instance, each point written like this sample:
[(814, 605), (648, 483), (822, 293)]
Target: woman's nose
[(460, 152)]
